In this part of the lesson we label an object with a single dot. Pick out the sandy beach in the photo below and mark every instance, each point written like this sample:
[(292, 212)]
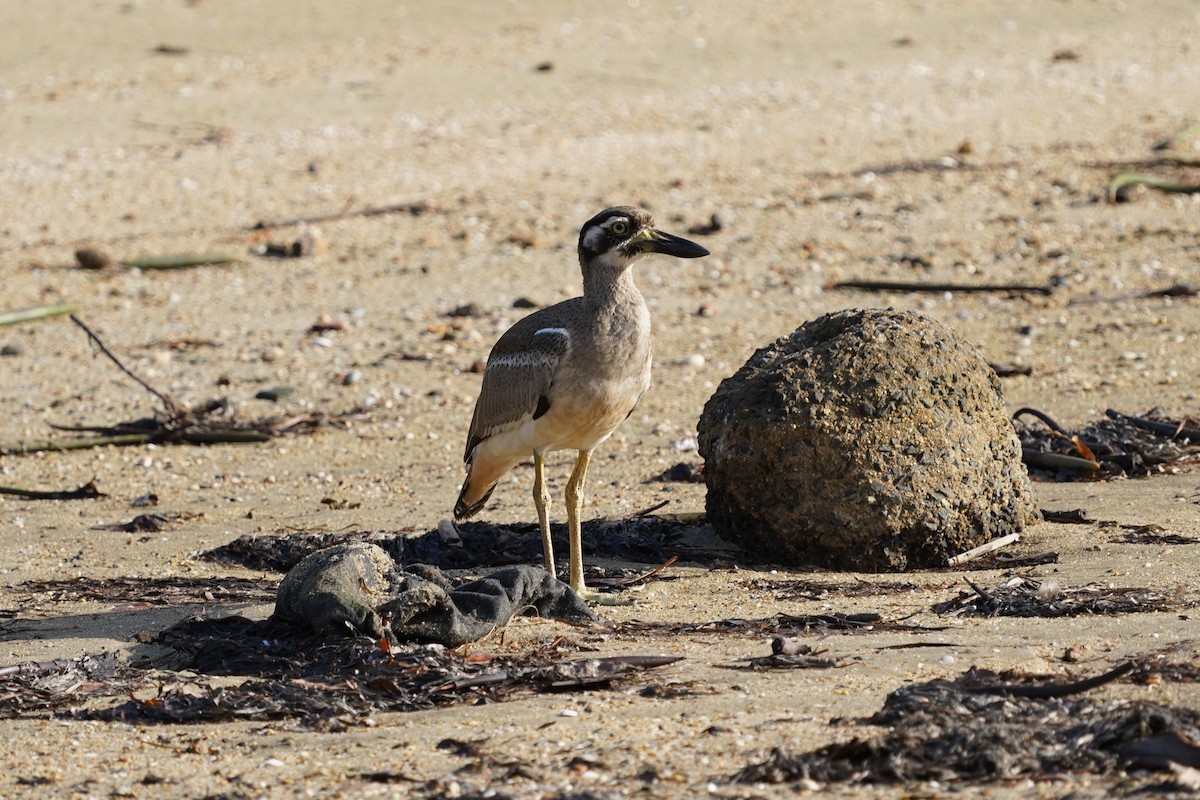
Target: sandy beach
[(944, 142)]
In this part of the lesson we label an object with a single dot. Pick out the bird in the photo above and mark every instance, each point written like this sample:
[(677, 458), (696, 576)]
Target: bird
[(566, 376)]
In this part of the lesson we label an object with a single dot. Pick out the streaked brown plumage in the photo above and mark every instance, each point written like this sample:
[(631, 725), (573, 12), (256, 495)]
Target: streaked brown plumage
[(566, 376)]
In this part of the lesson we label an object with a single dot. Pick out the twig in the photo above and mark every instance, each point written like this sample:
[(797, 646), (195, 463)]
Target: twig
[(1051, 424), (634, 579), (413, 207), (31, 314), (169, 404), (1044, 691), (914, 286), (983, 549), (1121, 183), (180, 260), (86, 492), (645, 512), (46, 445)]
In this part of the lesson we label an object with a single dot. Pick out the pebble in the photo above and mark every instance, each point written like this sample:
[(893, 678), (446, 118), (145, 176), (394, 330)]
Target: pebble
[(694, 360)]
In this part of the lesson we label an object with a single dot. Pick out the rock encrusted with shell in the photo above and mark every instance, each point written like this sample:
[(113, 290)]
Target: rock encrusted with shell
[(871, 440)]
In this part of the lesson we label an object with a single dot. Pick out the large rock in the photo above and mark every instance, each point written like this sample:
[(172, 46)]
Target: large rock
[(869, 440)]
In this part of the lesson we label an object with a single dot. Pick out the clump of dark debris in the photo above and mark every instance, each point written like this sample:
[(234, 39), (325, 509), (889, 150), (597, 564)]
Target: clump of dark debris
[(645, 540), (1029, 597), (985, 726), (320, 683), (1118, 446)]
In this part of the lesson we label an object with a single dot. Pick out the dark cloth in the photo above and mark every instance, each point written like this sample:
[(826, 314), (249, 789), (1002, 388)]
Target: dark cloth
[(356, 587)]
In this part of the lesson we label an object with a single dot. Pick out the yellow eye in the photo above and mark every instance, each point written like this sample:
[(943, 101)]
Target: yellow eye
[(620, 227)]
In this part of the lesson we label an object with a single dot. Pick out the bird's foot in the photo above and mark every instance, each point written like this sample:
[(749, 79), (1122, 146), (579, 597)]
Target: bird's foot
[(594, 598)]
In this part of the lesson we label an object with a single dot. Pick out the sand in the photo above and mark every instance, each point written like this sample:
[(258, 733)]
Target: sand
[(940, 141)]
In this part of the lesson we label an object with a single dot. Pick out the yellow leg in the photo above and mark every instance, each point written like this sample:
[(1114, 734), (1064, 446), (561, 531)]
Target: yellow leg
[(574, 494), (541, 499)]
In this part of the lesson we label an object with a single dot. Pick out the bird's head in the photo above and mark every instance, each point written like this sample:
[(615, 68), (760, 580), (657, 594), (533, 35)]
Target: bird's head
[(619, 236)]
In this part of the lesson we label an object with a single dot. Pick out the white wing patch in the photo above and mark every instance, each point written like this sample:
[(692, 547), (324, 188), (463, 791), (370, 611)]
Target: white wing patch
[(553, 332)]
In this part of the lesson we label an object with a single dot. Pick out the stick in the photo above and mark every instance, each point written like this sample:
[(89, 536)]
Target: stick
[(86, 492), (38, 445), (31, 314), (632, 580), (180, 260), (983, 549), (414, 207), (1055, 689), (645, 512), (168, 403), (912, 286)]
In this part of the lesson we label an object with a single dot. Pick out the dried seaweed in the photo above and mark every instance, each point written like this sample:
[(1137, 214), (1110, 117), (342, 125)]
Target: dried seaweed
[(780, 624), (646, 540), (322, 683), (803, 589), (1118, 446), (958, 731), (330, 684), (37, 686), (1029, 597), (208, 423), (154, 591), (1149, 534)]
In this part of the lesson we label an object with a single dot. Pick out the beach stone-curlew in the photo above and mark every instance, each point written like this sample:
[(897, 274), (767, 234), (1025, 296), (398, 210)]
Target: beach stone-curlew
[(868, 439)]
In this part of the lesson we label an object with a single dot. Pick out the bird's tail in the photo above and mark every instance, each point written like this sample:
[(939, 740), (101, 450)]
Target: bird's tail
[(464, 508)]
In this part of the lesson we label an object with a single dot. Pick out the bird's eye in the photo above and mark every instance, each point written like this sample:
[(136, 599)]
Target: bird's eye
[(620, 227)]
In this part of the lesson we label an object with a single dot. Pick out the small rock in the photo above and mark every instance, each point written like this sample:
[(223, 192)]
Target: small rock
[(275, 393), (11, 350), (92, 258)]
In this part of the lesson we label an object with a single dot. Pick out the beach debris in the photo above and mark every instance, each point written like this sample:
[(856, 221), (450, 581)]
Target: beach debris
[(411, 207), (327, 684), (92, 258), (787, 625), (983, 549), (310, 242), (1120, 445), (180, 261), (357, 588), (805, 589), (1030, 597), (209, 423), (1148, 534), (171, 591), (985, 726), (921, 286), (645, 540), (33, 314), (1120, 184), (88, 491), (681, 472)]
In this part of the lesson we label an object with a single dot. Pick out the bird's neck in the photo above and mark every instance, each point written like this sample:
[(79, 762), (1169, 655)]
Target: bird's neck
[(610, 287)]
